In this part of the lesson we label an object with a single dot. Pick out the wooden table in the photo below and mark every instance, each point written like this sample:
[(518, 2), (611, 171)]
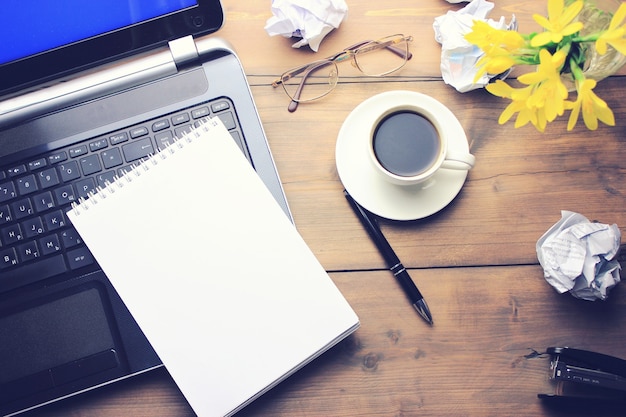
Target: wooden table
[(475, 260)]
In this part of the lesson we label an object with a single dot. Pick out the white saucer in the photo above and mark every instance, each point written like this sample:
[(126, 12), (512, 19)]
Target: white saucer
[(369, 188)]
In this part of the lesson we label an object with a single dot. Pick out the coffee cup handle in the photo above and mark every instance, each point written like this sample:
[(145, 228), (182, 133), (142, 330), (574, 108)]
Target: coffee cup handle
[(459, 162)]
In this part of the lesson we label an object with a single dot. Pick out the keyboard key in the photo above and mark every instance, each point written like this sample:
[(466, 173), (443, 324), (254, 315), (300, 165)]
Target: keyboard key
[(37, 164), (57, 157), (118, 138), (22, 208), (180, 119), (137, 150), (7, 192), (27, 251), (79, 258), (138, 132), (70, 238), (228, 119), (15, 171), (5, 215), (163, 139), (97, 145), (124, 170), (49, 244), (220, 106), (8, 258), (11, 234), (84, 187), (55, 220), (200, 113), (32, 272), (179, 132), (69, 171), (111, 158), (78, 151), (105, 177), (43, 202), (64, 195), (160, 125), (26, 185), (33, 227), (90, 164), (48, 178)]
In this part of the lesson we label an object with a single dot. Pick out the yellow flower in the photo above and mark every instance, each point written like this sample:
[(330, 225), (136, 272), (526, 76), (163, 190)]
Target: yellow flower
[(549, 92), (486, 36), (559, 23), (544, 97), (593, 107), (498, 46), (519, 104), (496, 61), (614, 35)]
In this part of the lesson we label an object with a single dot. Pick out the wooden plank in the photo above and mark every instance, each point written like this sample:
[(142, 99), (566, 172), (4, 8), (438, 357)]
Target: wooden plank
[(477, 360)]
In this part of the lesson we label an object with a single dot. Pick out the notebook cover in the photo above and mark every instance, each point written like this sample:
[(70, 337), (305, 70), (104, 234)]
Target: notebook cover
[(225, 289)]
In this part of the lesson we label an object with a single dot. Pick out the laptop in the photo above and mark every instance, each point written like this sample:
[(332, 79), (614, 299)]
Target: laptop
[(88, 89)]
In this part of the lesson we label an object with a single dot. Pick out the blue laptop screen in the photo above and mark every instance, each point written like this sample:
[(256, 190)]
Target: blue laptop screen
[(29, 27)]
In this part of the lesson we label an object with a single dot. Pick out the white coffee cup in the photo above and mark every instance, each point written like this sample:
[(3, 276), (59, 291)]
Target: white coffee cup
[(409, 143)]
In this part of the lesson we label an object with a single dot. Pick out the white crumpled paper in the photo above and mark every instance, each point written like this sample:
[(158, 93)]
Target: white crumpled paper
[(458, 56), (578, 256), (309, 20)]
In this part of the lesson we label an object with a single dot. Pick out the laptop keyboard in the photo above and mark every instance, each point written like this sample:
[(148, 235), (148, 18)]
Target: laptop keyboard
[(37, 241)]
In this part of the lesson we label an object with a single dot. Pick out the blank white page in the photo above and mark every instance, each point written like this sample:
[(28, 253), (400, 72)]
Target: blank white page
[(223, 286)]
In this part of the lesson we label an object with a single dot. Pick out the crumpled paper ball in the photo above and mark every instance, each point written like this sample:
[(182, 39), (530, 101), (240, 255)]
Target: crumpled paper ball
[(310, 20), (579, 256), (458, 56)]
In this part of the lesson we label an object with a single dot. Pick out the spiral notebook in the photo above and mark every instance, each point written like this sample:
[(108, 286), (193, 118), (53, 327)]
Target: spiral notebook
[(225, 289)]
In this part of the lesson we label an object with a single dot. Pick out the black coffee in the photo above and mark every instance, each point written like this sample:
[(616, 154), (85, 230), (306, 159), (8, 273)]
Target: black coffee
[(406, 143)]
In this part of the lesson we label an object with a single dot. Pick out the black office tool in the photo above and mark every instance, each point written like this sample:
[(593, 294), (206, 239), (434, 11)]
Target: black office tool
[(396, 267), (584, 376)]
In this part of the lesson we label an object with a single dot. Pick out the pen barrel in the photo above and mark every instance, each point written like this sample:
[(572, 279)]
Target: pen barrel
[(407, 284)]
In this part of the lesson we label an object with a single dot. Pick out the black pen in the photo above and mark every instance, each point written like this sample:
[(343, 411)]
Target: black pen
[(396, 267)]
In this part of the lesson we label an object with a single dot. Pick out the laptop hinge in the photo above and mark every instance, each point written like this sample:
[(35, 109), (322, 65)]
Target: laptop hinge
[(184, 51)]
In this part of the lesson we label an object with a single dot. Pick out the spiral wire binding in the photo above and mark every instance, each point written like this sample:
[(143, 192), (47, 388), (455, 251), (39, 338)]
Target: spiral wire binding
[(136, 169)]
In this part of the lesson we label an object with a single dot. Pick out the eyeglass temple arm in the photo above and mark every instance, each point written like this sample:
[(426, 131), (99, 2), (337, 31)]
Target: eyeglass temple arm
[(296, 96)]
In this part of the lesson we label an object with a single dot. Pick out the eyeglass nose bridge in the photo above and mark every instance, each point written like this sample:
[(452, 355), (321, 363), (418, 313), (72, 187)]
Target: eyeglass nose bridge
[(333, 77)]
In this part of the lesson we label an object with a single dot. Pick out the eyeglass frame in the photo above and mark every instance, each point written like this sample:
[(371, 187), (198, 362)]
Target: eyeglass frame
[(347, 53)]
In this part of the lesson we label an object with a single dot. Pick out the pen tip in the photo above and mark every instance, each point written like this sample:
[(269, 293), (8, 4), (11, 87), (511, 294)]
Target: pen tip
[(424, 311)]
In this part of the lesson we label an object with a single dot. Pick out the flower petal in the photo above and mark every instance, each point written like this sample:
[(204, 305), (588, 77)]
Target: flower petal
[(606, 116), (590, 119), (541, 39), (618, 17), (500, 89), (543, 22), (573, 117), (572, 28), (570, 12), (555, 8)]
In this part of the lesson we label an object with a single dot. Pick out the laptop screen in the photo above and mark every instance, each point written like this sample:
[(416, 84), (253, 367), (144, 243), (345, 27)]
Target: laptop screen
[(50, 26), (43, 40)]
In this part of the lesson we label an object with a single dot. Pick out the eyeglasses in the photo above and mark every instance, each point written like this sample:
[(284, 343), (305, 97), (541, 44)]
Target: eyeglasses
[(373, 58)]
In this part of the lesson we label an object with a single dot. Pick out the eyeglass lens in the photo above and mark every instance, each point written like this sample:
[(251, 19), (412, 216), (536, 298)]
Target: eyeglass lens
[(382, 57)]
